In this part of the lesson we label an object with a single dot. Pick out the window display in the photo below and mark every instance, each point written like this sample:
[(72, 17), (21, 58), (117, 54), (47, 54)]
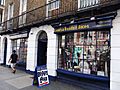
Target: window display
[(20, 45), (85, 52)]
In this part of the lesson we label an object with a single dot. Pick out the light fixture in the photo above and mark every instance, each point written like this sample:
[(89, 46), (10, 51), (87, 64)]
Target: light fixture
[(92, 18), (60, 24), (72, 21)]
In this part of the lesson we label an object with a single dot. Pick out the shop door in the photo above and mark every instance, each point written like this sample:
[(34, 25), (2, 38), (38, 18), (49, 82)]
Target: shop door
[(42, 49), (5, 51)]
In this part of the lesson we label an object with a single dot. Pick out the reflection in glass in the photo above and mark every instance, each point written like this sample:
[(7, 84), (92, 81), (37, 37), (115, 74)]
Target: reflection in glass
[(20, 45), (85, 52)]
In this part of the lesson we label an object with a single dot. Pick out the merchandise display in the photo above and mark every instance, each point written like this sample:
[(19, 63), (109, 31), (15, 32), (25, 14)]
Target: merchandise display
[(20, 45), (85, 52)]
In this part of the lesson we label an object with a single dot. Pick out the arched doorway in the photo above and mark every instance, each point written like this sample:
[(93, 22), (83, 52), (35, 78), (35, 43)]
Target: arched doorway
[(5, 51), (42, 49)]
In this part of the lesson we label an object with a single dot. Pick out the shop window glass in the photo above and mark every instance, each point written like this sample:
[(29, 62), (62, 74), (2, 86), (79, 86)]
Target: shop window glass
[(20, 45), (85, 52)]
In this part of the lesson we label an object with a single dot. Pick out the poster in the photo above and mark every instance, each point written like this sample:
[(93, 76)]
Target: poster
[(42, 76), (78, 50)]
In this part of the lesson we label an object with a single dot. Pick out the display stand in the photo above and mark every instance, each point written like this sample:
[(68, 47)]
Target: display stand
[(41, 76)]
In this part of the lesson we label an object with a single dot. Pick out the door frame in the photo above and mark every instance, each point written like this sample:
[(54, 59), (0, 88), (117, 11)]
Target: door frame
[(4, 50), (42, 37)]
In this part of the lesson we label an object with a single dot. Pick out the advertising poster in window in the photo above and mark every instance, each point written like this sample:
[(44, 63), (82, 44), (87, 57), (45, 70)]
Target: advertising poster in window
[(78, 52)]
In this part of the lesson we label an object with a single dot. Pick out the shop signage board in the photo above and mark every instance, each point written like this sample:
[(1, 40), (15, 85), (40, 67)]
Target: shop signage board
[(19, 35), (83, 26), (41, 75)]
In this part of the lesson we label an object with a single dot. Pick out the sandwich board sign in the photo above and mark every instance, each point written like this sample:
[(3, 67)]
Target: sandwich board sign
[(41, 76)]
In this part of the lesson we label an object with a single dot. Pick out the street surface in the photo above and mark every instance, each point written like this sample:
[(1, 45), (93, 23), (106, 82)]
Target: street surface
[(23, 81)]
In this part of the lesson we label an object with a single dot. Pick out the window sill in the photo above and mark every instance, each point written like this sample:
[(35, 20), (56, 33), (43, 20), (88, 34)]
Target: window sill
[(85, 76)]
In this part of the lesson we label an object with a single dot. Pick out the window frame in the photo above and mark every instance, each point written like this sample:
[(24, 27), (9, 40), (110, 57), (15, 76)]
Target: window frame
[(90, 3), (96, 47), (23, 6), (53, 4), (2, 2), (22, 10), (17, 45), (10, 11)]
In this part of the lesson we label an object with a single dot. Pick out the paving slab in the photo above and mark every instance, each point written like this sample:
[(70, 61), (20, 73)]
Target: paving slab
[(23, 81)]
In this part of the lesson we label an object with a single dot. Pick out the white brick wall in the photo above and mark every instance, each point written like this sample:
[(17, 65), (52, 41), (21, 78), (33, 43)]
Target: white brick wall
[(51, 49), (115, 54), (0, 49), (8, 49)]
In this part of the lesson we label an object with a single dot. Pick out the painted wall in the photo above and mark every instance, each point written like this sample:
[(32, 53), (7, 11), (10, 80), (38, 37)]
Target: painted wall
[(51, 49), (0, 50), (8, 49), (115, 54)]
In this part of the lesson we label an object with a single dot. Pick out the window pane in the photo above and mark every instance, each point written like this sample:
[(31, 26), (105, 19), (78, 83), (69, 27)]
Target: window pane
[(20, 45), (53, 4), (85, 52)]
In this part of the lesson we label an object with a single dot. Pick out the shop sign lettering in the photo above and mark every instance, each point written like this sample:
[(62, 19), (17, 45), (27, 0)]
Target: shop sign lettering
[(89, 25), (71, 28), (83, 26)]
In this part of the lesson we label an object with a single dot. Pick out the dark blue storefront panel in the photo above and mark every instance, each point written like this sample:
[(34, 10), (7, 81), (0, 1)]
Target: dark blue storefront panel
[(90, 82), (78, 26)]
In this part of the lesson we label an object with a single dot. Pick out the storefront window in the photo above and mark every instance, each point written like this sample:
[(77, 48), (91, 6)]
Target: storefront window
[(85, 52), (20, 45)]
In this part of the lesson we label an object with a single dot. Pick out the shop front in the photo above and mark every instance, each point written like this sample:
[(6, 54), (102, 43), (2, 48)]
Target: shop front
[(19, 43), (84, 51), (42, 48)]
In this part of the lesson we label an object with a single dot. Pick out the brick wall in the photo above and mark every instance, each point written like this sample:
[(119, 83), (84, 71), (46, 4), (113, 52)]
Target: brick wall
[(15, 11), (65, 6), (37, 14), (16, 7), (31, 4)]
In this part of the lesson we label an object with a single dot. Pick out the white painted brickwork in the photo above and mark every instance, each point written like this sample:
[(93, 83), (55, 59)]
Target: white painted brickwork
[(115, 54), (8, 49), (51, 49)]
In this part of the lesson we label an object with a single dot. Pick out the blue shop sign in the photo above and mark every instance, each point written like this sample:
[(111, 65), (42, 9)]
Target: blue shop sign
[(84, 26)]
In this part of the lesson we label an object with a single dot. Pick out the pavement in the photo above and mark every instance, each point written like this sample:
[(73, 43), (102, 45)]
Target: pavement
[(23, 81)]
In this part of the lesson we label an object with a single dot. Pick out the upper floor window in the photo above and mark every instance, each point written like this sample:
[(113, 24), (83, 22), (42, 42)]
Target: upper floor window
[(10, 16), (10, 11), (53, 4), (0, 17), (23, 6), (87, 3), (1, 2)]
